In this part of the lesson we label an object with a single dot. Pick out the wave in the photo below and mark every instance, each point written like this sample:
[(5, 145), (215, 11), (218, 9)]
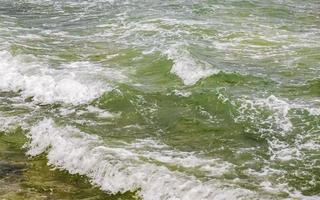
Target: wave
[(187, 68), (118, 169), (44, 84), (281, 123)]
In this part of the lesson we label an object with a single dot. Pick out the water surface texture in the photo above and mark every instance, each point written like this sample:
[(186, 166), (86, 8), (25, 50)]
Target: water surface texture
[(159, 99)]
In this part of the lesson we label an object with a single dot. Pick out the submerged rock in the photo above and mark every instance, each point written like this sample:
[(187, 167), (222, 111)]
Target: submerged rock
[(7, 169)]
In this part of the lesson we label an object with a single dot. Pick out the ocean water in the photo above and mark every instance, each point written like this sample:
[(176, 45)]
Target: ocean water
[(159, 99)]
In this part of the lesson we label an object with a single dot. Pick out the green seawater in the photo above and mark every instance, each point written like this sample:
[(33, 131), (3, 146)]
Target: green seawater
[(132, 99)]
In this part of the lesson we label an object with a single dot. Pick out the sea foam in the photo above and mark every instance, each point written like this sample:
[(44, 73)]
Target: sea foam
[(187, 68), (36, 79), (119, 169)]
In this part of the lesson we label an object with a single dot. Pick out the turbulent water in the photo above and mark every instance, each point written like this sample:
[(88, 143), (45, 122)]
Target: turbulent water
[(159, 99)]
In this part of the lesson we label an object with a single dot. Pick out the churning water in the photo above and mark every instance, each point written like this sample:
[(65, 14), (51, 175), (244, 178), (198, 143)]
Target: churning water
[(159, 99)]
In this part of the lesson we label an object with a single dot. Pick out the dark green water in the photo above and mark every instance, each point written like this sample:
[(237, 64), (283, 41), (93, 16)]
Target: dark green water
[(159, 99)]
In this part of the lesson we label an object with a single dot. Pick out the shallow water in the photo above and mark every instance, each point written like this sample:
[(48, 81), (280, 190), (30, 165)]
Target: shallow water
[(159, 99)]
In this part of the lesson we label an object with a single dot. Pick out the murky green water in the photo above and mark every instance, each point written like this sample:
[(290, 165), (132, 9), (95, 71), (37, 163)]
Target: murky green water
[(159, 99)]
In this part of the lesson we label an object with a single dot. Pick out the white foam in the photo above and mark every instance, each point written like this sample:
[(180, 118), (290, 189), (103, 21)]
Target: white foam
[(8, 122), (280, 109), (281, 150), (187, 68), (118, 169), (250, 110), (46, 85), (278, 123), (101, 113), (275, 124), (66, 111), (154, 150), (30, 37), (182, 93), (275, 187), (314, 111), (311, 145)]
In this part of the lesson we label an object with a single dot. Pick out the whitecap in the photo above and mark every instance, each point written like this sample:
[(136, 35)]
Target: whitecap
[(187, 68), (119, 170), (36, 79)]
